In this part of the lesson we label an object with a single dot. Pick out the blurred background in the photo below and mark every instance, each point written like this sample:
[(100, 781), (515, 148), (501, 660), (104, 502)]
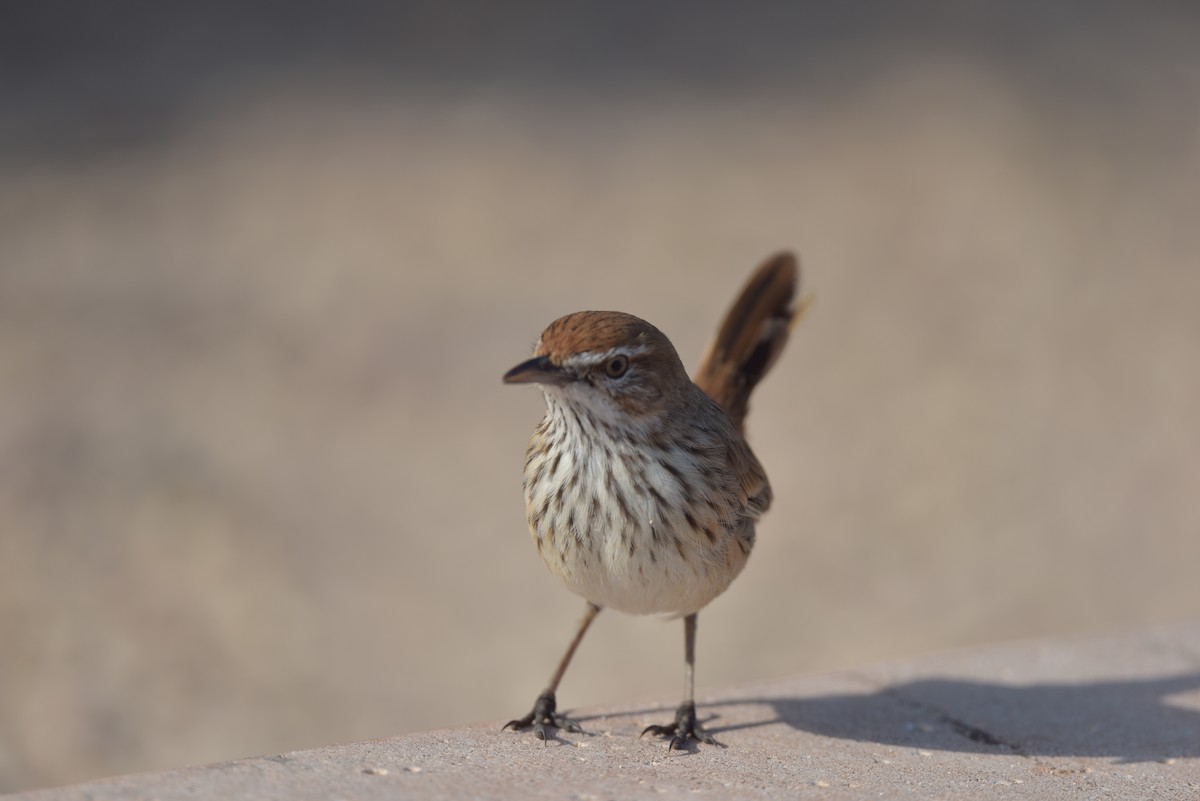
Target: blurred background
[(262, 267)]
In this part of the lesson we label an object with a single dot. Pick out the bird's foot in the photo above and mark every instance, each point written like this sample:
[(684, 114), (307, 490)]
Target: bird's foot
[(684, 730), (544, 717)]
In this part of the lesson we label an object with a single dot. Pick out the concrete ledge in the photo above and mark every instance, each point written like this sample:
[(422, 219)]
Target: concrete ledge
[(1114, 716)]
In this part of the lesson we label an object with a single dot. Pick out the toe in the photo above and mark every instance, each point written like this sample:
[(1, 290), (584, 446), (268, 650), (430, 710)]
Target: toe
[(658, 731)]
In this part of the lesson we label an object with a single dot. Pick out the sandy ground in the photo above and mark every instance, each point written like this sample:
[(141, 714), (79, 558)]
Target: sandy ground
[(260, 481), (1059, 719)]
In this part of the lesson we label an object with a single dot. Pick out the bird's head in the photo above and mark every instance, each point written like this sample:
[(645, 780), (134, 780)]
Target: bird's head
[(609, 363)]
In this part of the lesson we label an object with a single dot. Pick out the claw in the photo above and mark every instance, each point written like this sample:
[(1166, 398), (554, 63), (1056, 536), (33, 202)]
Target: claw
[(543, 716), (684, 729)]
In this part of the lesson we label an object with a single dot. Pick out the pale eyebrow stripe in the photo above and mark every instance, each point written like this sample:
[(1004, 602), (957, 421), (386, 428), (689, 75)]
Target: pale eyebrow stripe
[(592, 359)]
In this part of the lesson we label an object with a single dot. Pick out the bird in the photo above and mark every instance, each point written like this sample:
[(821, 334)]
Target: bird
[(641, 491)]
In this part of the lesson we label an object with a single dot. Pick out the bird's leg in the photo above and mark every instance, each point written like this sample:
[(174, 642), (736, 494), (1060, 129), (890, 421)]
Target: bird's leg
[(544, 713), (685, 727)]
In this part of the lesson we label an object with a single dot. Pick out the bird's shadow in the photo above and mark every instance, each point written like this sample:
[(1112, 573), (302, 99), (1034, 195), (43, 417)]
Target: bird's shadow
[(1130, 721)]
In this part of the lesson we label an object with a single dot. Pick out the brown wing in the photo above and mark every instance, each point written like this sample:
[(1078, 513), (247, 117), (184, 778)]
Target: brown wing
[(752, 478)]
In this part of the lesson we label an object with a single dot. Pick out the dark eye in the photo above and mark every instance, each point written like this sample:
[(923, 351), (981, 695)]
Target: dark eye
[(616, 366)]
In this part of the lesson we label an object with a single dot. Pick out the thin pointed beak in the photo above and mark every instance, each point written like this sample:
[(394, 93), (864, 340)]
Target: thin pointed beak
[(538, 370)]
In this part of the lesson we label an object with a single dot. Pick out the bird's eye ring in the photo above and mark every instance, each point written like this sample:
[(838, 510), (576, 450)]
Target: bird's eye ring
[(616, 366)]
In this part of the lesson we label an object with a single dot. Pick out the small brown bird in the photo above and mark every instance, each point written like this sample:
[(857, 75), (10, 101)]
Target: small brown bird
[(640, 490)]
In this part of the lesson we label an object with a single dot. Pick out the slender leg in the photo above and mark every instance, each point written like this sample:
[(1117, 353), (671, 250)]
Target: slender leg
[(685, 727), (544, 709)]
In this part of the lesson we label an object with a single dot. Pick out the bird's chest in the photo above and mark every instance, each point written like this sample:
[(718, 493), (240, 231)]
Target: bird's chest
[(622, 523), (600, 500)]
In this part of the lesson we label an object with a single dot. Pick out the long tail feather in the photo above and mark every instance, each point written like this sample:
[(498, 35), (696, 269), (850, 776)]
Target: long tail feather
[(752, 336)]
